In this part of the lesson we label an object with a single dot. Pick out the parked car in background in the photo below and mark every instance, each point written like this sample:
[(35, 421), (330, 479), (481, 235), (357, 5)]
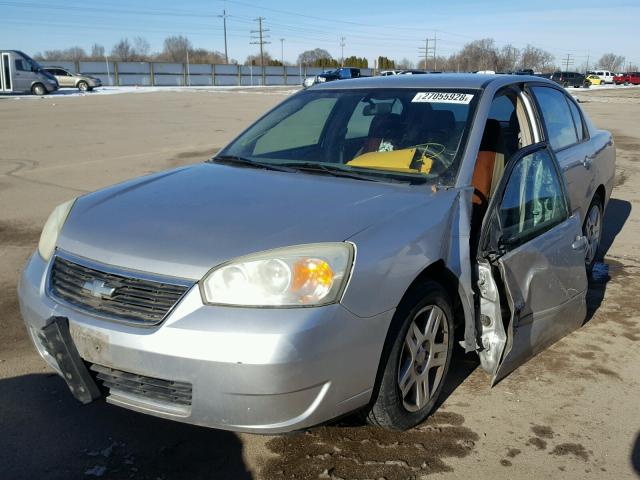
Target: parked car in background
[(569, 79), (605, 75), (342, 73), (629, 78), (386, 73), (594, 80), (19, 73), (80, 81), (331, 256)]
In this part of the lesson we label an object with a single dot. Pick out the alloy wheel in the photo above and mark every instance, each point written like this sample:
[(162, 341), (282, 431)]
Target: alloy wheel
[(423, 357), (593, 230)]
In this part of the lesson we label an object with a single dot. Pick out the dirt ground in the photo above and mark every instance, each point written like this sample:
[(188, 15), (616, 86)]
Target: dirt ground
[(571, 412)]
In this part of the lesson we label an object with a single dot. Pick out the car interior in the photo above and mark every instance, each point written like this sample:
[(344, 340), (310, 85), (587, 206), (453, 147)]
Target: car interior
[(507, 130)]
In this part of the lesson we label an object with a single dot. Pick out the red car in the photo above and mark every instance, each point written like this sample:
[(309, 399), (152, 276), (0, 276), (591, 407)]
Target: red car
[(627, 78)]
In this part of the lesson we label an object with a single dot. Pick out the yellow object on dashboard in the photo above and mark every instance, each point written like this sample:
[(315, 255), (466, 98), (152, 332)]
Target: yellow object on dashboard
[(396, 160)]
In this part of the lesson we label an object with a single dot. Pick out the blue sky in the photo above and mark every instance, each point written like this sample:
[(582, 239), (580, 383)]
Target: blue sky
[(371, 27)]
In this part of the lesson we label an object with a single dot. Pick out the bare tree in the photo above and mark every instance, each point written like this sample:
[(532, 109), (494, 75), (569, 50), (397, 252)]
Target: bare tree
[(404, 64), (611, 62), (255, 59), (71, 54), (175, 49), (123, 51), (312, 57), (507, 58), (202, 55), (97, 52), (536, 59), (141, 49)]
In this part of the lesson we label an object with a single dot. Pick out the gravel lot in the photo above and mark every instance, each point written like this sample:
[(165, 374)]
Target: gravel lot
[(571, 412)]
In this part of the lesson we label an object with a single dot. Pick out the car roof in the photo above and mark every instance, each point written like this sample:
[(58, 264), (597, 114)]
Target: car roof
[(441, 80)]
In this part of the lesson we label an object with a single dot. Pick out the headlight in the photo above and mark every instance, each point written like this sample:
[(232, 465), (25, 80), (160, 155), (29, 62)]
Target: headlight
[(298, 276), (51, 229)]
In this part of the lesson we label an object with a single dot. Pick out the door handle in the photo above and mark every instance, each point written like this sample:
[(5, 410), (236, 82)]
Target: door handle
[(588, 160), (580, 243)]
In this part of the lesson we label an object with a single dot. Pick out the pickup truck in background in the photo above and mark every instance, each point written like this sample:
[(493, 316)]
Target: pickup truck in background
[(629, 78)]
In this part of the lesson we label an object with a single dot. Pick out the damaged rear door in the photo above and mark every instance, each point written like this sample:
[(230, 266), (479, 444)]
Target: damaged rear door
[(531, 276)]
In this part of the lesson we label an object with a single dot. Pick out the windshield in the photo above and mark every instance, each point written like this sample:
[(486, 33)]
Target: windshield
[(35, 66), (404, 134)]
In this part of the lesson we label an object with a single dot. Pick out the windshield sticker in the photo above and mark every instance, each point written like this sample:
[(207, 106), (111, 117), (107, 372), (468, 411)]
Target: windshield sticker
[(442, 97)]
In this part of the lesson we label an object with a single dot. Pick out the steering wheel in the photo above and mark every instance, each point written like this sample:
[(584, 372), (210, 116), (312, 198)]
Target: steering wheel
[(434, 152)]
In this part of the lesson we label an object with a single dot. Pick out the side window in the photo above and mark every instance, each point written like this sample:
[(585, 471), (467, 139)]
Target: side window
[(20, 65), (557, 117), (577, 119), (533, 199), (300, 129)]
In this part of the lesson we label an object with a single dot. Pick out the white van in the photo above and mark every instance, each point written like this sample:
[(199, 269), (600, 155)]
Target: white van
[(19, 73), (605, 75)]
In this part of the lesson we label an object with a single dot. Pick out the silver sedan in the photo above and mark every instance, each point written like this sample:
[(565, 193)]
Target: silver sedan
[(331, 257)]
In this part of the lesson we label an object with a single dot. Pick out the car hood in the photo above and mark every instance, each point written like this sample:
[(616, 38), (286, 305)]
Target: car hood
[(185, 221)]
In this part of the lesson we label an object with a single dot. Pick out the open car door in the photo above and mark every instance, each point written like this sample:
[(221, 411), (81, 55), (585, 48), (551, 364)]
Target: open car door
[(531, 275)]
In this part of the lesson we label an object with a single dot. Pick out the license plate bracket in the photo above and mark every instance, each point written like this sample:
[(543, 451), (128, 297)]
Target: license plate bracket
[(59, 344)]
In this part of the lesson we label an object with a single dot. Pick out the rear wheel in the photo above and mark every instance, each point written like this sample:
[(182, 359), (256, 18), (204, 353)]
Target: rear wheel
[(418, 360), (38, 89), (592, 230)]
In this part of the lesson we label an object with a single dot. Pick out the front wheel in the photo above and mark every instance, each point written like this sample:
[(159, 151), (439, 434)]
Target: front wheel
[(38, 89), (418, 360), (83, 86), (592, 230)]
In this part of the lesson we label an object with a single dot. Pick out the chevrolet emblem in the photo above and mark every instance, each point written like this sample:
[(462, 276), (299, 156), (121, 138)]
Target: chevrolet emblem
[(99, 289)]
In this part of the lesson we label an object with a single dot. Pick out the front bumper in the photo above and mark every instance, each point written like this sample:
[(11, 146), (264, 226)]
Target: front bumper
[(51, 87), (254, 370)]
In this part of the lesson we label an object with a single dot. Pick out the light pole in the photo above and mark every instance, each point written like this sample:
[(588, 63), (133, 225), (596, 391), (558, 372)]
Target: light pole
[(282, 51)]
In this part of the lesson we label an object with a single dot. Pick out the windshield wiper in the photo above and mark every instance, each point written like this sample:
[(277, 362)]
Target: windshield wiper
[(331, 169), (237, 160)]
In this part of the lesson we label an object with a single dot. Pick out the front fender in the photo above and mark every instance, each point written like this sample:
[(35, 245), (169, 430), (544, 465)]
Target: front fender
[(393, 252)]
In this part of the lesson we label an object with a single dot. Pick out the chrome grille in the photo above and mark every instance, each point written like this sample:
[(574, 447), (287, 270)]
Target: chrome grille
[(120, 297), (168, 391)]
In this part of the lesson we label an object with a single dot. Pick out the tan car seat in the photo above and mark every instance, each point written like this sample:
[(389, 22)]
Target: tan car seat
[(489, 164)]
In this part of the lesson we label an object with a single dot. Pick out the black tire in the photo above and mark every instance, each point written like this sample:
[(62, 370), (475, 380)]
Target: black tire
[(565, 84), (38, 89), (388, 408), (83, 86), (587, 231)]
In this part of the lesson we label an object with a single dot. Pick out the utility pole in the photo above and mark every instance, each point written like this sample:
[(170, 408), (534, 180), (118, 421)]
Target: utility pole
[(260, 39), (282, 51), (567, 61), (426, 52), (224, 22), (587, 63), (342, 44), (435, 39)]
